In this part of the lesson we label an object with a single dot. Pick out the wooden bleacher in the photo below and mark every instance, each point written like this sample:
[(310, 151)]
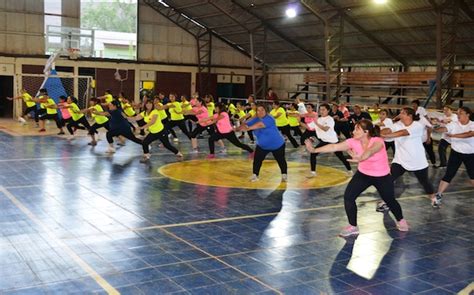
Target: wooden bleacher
[(383, 87)]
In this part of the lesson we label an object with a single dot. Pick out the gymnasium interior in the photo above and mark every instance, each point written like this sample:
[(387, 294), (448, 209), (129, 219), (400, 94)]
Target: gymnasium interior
[(75, 219)]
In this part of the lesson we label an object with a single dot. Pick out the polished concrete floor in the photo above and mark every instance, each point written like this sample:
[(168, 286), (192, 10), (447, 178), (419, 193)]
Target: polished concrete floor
[(75, 220)]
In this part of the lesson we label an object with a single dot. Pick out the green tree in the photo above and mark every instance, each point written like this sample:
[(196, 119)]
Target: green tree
[(114, 16)]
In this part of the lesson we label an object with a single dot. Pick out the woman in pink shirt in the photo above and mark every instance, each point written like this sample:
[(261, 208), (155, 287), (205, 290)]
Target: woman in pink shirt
[(308, 120), (200, 111), (224, 130), (367, 149)]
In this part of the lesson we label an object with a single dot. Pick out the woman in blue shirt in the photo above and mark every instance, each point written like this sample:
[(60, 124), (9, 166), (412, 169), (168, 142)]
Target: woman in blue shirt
[(269, 139)]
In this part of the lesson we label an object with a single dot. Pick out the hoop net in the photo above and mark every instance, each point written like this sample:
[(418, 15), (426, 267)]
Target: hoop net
[(74, 53)]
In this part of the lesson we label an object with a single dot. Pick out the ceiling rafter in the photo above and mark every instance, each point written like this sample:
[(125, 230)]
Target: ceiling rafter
[(281, 35)]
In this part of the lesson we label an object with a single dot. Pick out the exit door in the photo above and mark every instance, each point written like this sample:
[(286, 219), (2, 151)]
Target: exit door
[(6, 90)]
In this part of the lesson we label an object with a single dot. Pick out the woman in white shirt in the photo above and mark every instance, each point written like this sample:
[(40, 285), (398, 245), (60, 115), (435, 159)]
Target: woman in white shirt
[(409, 151), (462, 149), (384, 122), (326, 134), (445, 141), (427, 140)]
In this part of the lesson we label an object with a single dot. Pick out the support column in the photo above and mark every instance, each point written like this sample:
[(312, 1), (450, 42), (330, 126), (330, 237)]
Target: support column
[(446, 23), (259, 69), (204, 52)]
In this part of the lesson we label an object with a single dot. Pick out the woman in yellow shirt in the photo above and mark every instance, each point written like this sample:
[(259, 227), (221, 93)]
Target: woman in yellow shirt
[(279, 114), (294, 119), (163, 115), (100, 121), (156, 130), (78, 117), (30, 106), (252, 113), (129, 110), (49, 111), (177, 117), (187, 107)]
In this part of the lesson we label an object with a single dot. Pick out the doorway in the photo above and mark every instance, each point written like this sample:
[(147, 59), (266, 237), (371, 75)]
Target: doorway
[(6, 90)]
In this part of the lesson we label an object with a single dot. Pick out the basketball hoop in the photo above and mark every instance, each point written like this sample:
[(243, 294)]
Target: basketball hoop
[(74, 53)]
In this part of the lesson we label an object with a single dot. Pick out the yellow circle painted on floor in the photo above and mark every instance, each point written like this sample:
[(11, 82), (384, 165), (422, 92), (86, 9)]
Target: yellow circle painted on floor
[(236, 173)]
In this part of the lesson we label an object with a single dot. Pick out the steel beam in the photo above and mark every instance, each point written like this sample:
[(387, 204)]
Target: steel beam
[(281, 35), (189, 25), (466, 9), (369, 36)]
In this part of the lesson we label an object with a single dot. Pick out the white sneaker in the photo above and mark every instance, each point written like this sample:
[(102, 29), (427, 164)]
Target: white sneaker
[(312, 174), (70, 137), (254, 178), (349, 173), (175, 139), (194, 151), (223, 151), (284, 177), (179, 155), (110, 150), (21, 120)]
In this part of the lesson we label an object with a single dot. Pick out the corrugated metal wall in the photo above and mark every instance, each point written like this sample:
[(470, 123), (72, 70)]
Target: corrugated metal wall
[(22, 26)]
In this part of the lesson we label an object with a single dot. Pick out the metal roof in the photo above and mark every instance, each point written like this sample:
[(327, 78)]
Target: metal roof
[(406, 27)]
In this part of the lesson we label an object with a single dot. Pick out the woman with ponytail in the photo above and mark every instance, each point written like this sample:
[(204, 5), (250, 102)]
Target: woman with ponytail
[(409, 151), (368, 150)]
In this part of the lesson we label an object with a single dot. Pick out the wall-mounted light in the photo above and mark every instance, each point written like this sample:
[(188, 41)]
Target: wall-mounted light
[(380, 1)]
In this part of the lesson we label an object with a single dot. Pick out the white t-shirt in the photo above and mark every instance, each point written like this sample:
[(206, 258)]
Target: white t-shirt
[(452, 118), (388, 123), (461, 145), (329, 135), (421, 111), (409, 150), (426, 124), (302, 108)]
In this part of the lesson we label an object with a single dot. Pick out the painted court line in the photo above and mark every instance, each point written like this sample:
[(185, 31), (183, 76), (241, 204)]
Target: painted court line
[(86, 267), (276, 213), (221, 261)]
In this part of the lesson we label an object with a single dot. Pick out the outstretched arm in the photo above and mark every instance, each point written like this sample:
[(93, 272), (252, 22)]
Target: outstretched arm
[(330, 148)]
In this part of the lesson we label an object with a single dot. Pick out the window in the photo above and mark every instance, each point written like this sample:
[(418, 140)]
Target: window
[(114, 26)]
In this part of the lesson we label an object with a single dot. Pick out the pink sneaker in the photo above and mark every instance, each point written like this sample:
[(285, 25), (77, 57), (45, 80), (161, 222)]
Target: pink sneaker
[(402, 225), (349, 231), (211, 156)]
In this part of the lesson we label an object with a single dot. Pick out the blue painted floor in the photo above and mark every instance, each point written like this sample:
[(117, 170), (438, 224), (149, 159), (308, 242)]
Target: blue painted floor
[(74, 220)]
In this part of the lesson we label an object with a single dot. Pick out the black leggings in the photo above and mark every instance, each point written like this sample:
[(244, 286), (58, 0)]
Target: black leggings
[(455, 161), (230, 137), (278, 154), (359, 183), (181, 124), (422, 175), (344, 128), (307, 134), (429, 150), (125, 132), (82, 121), (296, 130), (166, 123), (52, 117), (250, 133), (287, 131), (442, 147), (339, 155), (96, 126), (199, 129), (390, 145), (161, 136), (33, 109)]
